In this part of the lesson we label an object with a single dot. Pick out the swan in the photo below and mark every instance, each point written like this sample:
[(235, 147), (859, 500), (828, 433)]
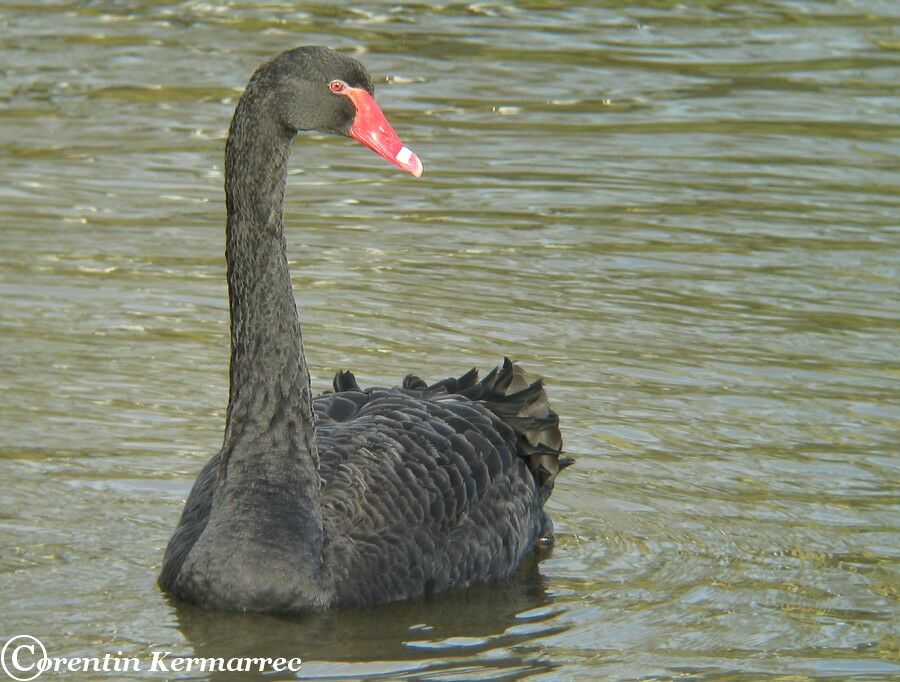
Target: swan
[(358, 496)]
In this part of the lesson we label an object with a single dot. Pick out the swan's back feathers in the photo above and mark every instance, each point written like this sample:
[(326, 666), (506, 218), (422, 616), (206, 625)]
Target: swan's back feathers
[(427, 487), (505, 392), (519, 404)]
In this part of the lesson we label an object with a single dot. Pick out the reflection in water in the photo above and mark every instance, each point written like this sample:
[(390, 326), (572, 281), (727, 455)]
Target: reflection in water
[(441, 633)]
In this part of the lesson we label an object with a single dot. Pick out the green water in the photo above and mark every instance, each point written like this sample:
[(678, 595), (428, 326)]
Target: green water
[(684, 216)]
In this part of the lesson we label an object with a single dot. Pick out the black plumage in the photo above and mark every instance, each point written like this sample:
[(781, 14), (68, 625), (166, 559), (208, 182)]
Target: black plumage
[(361, 495)]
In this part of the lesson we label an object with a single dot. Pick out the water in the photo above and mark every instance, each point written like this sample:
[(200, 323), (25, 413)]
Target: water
[(683, 215)]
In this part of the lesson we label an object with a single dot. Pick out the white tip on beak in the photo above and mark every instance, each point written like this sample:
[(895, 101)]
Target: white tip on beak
[(409, 161)]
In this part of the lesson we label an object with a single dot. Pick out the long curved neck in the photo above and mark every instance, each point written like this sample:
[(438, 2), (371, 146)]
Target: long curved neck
[(266, 505), (263, 545), (269, 383)]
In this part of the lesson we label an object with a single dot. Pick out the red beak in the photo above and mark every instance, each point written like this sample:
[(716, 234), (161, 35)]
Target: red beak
[(371, 128)]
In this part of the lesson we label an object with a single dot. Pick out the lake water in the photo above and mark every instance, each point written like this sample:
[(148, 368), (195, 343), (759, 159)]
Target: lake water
[(685, 216)]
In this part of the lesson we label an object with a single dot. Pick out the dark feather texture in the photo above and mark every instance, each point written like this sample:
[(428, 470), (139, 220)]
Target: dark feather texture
[(357, 496), (423, 488)]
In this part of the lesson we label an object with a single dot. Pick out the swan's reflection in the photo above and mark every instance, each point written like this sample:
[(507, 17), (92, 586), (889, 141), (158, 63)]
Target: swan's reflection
[(443, 632)]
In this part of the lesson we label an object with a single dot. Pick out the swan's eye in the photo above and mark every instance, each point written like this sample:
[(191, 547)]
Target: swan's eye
[(337, 86)]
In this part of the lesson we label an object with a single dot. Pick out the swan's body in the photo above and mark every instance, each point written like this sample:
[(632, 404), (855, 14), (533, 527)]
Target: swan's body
[(354, 497)]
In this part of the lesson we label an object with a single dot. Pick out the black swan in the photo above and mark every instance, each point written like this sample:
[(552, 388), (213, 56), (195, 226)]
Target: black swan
[(358, 496)]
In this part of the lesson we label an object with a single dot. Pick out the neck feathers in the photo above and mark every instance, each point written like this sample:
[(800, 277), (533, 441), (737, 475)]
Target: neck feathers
[(269, 407)]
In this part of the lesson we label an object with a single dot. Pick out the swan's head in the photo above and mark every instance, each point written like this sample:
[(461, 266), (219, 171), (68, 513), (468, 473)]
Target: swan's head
[(316, 88)]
